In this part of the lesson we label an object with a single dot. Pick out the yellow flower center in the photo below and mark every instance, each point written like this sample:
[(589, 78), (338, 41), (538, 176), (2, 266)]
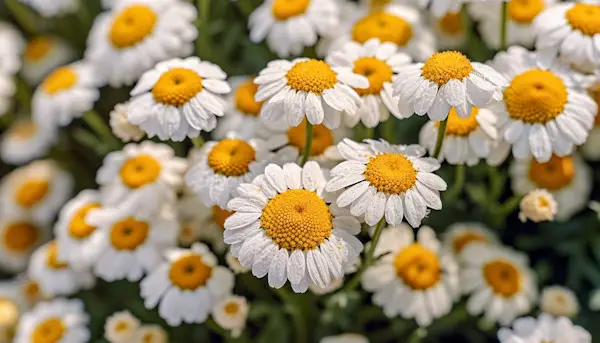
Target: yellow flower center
[(418, 267), (140, 171), (128, 234), (132, 26), (30, 193), (543, 201), (460, 242), (376, 71), (52, 260), (177, 86), (232, 308), (451, 23), (51, 330), (9, 314), (79, 228), (231, 157), (220, 215), (23, 130), (244, 99), (524, 11), (503, 277), (445, 66), (312, 76), (391, 173), (285, 9), (322, 138), (121, 326), (38, 47), (20, 236), (190, 272), (32, 292), (555, 174), (297, 219), (385, 26), (584, 17), (61, 79), (458, 126), (535, 96)]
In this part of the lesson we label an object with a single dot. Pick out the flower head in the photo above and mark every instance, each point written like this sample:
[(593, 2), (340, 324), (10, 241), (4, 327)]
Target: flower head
[(25, 141), (44, 54), (559, 301), (122, 127), (231, 314), (121, 327), (544, 328), (538, 205)]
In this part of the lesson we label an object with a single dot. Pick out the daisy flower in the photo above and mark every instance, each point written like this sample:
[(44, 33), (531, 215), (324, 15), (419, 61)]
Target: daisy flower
[(538, 205), (460, 235), (591, 148), (231, 314), (381, 180), (53, 8), (150, 334), (568, 178), (30, 290), (121, 327), (379, 63), (131, 38), (289, 26), (544, 328), (447, 79), (38, 189), (25, 141), (308, 88), (54, 276), (7, 90), (498, 281), (178, 99), (67, 93), (242, 113), (234, 264), (59, 320), (199, 222), (544, 111), (559, 301), (44, 54), (284, 227), (121, 127), (450, 30), (187, 285)]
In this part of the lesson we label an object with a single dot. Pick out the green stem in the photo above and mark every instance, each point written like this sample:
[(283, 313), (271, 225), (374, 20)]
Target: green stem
[(23, 95), (198, 142), (307, 143), (503, 24), (203, 41), (216, 328), (466, 22), (294, 308), (459, 182), (388, 130), (417, 335), (440, 138), (101, 128), (369, 132), (23, 15), (369, 257)]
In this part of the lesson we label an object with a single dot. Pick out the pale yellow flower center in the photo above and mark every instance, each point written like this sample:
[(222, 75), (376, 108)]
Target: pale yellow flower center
[(461, 127), (22, 130), (312, 76), (584, 17), (451, 23), (231, 157), (132, 26), (20, 236), (385, 26), (177, 87), (444, 66), (190, 272), (244, 99), (9, 314), (231, 308), (555, 174), (376, 71), (285, 9), (122, 325), (140, 170), (503, 277), (466, 238), (78, 227), (32, 192), (391, 173), (38, 47), (418, 267), (322, 138), (129, 234), (524, 11), (32, 292), (61, 79), (51, 330), (52, 260)]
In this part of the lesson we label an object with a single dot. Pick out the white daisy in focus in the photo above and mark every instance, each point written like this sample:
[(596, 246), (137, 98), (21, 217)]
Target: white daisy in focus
[(65, 94), (7, 90), (568, 178), (559, 301), (591, 148), (544, 328), (135, 35), (283, 227), (450, 30), (25, 141), (20, 236), (178, 99), (447, 79), (498, 281), (345, 338), (242, 114), (308, 88), (460, 235), (544, 111), (53, 8), (42, 55), (234, 264), (538, 205), (121, 327), (121, 127), (231, 314), (151, 334), (187, 285), (381, 180), (289, 26), (201, 223)]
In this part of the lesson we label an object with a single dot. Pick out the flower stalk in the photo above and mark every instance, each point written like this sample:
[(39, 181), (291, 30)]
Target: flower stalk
[(307, 143), (440, 138)]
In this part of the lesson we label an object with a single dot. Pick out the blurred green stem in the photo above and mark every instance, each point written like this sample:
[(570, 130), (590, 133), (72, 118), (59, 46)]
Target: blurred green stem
[(369, 132), (503, 24), (459, 182), (294, 308), (307, 143), (440, 138), (245, 7), (23, 94), (23, 15), (388, 130), (417, 335), (203, 40), (466, 23), (216, 328), (101, 128), (369, 257), (198, 142)]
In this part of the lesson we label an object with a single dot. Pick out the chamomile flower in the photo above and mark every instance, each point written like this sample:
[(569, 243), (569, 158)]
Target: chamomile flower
[(59, 320), (187, 285), (568, 178), (544, 328), (538, 205), (234, 264), (308, 88), (65, 94), (460, 235), (231, 314), (591, 148), (559, 301), (44, 54), (53, 8), (450, 30), (289, 26), (38, 189), (447, 79), (131, 38), (24, 141), (120, 125), (54, 276), (178, 99), (285, 203), (121, 327), (379, 63), (20, 236), (498, 281), (381, 180), (201, 223), (544, 111), (7, 90), (242, 114), (345, 338), (150, 334)]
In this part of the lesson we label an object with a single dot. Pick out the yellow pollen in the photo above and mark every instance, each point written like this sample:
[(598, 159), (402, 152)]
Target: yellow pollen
[(132, 26), (22, 130), (20, 236), (376, 71), (535, 96), (391, 173), (418, 267), (524, 11), (503, 278), (451, 23), (79, 228), (285, 9), (460, 242), (32, 192), (543, 202), (322, 138), (220, 215), (231, 157), (297, 219), (51, 330), (190, 272), (177, 87), (444, 66), (232, 308), (461, 127), (31, 289), (385, 26), (61, 79), (312, 76), (554, 174), (140, 170), (584, 17), (122, 326), (129, 234), (38, 47), (244, 99), (52, 260), (9, 314)]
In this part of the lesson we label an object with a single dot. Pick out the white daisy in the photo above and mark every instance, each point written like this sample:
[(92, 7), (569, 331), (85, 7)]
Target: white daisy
[(284, 227), (53, 8), (151, 334), (178, 99), (121, 327), (460, 235), (42, 55), (568, 178), (544, 111), (308, 88), (7, 90), (544, 328), (289, 26), (591, 148), (559, 301), (187, 285), (242, 114), (201, 223), (121, 127), (499, 282), (234, 264), (131, 38), (231, 314), (345, 338), (383, 180), (24, 141), (538, 205), (20, 236), (450, 30)]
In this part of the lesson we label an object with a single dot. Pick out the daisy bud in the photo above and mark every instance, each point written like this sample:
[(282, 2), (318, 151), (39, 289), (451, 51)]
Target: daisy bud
[(121, 327), (231, 314), (121, 127), (539, 205), (559, 301)]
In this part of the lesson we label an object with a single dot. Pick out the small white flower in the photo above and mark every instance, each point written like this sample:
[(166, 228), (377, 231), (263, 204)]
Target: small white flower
[(450, 30), (460, 235), (242, 114), (234, 264), (30, 290), (345, 338), (151, 334), (201, 223), (231, 314), (44, 54), (20, 236), (538, 205), (559, 301), (121, 327), (121, 127), (53, 8), (25, 141), (544, 328)]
